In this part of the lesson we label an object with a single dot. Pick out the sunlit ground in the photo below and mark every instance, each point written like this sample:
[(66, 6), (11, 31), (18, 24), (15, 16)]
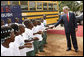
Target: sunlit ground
[(57, 46)]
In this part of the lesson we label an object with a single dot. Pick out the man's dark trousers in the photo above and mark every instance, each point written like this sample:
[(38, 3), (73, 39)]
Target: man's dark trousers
[(73, 38)]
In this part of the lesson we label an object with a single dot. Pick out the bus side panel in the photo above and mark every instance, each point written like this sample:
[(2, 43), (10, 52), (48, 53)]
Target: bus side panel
[(51, 17)]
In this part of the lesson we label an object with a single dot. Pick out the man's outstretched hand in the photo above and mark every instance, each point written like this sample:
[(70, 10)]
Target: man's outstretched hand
[(76, 29), (52, 26)]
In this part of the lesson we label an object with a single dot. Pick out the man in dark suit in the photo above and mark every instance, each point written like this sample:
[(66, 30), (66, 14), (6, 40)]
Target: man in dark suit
[(70, 26)]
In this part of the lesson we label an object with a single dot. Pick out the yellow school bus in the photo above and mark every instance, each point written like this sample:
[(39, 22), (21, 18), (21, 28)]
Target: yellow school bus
[(36, 9)]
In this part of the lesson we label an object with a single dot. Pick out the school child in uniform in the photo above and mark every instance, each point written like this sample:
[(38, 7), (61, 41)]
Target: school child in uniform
[(29, 37), (7, 36), (15, 45), (8, 22), (40, 36), (45, 31), (22, 30), (44, 19), (44, 35), (19, 40), (35, 31)]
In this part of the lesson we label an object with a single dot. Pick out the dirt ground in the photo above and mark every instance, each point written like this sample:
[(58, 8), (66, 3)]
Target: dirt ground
[(57, 46)]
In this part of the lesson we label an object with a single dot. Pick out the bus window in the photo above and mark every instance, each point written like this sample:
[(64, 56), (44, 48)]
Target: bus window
[(14, 2), (24, 5), (44, 6), (32, 5), (50, 5), (55, 6), (4, 3), (39, 6)]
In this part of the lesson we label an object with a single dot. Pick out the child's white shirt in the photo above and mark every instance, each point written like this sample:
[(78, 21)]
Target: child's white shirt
[(35, 30), (15, 50), (7, 24), (28, 35), (20, 41), (17, 23), (43, 27), (6, 51), (44, 22)]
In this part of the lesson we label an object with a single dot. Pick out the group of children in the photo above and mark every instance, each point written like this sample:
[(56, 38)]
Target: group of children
[(27, 39)]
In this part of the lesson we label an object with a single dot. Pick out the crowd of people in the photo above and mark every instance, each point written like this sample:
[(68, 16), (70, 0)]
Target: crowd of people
[(26, 39)]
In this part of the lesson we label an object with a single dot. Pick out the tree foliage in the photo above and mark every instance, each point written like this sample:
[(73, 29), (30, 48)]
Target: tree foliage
[(73, 5)]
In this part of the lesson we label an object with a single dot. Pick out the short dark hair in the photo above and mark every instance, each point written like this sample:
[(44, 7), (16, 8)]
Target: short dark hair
[(5, 32), (33, 20), (39, 22), (26, 21), (15, 27)]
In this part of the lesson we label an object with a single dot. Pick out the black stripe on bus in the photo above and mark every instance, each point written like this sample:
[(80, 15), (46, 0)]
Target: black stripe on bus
[(51, 17), (39, 15), (38, 11), (48, 17), (32, 16)]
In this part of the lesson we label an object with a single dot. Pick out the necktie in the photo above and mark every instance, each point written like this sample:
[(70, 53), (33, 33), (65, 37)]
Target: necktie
[(67, 17)]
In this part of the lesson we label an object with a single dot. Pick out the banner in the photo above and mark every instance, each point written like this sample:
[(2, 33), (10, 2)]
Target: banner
[(11, 11)]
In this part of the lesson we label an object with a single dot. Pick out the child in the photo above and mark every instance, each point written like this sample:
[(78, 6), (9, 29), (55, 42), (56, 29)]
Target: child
[(29, 36), (44, 19), (39, 35), (44, 35), (19, 40), (16, 28), (35, 31), (7, 36), (22, 44), (14, 45)]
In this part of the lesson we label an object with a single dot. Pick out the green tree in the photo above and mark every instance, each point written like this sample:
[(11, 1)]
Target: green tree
[(81, 6), (73, 5)]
